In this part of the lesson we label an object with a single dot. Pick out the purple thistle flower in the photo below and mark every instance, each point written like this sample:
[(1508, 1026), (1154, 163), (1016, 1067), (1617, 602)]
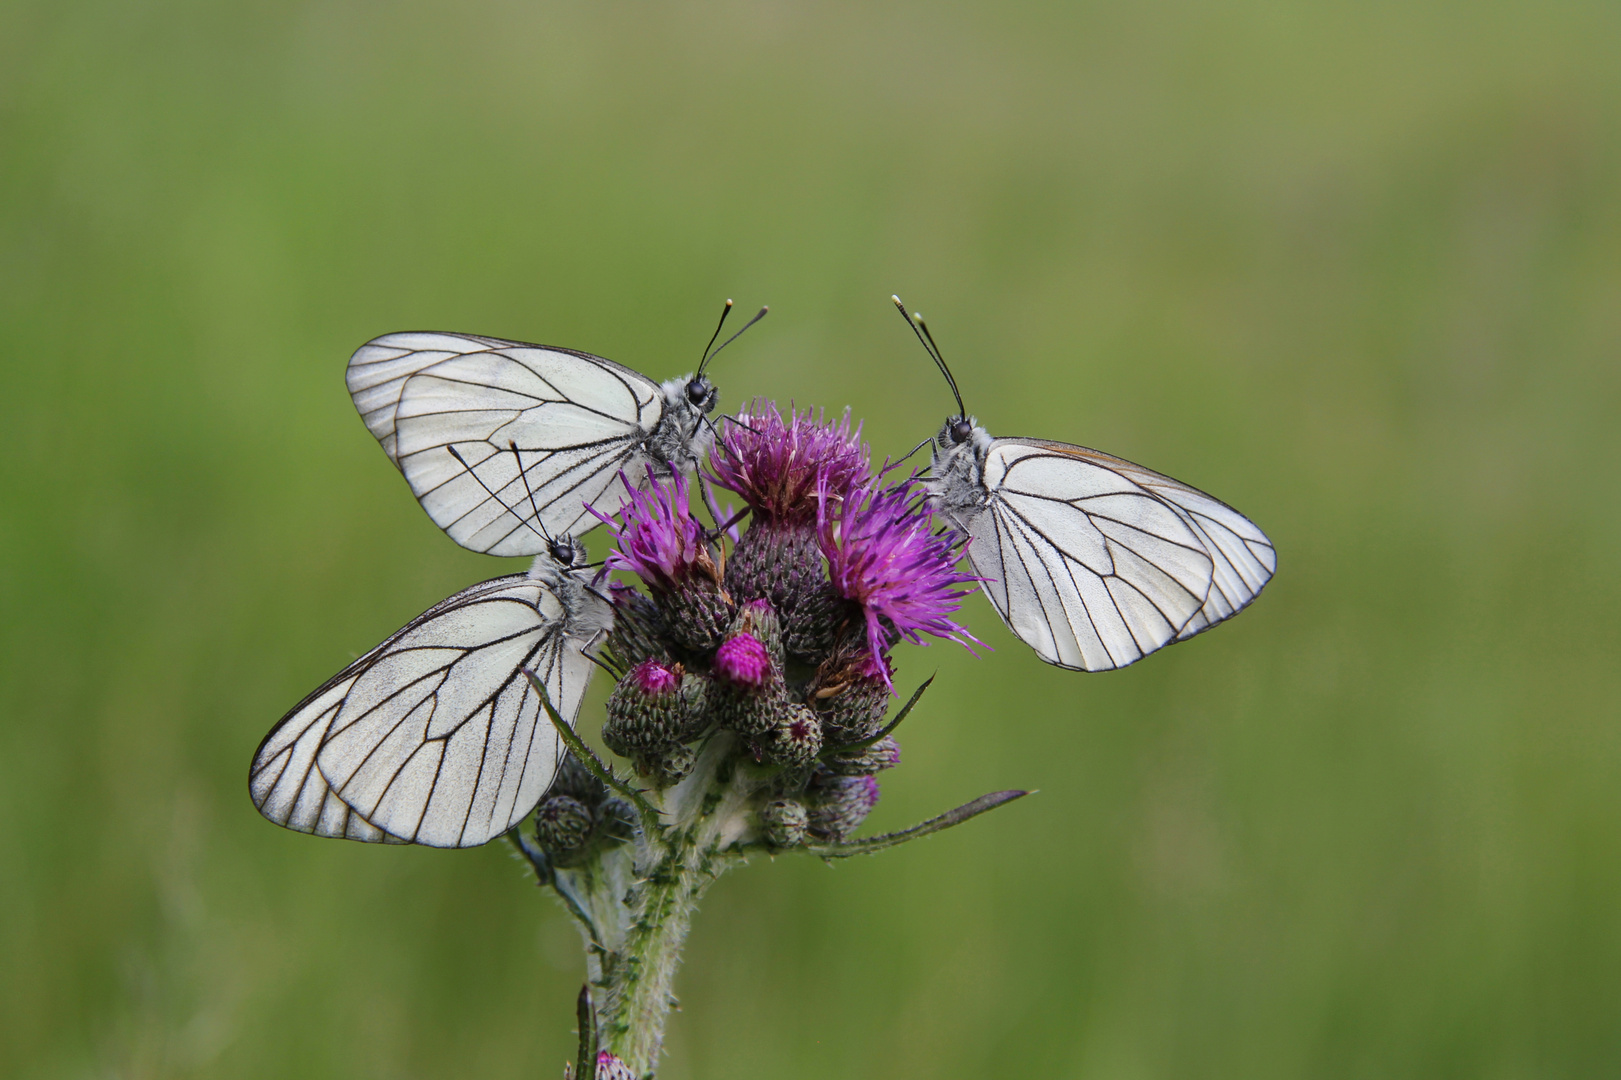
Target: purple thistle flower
[(882, 554), (779, 466), (659, 539), (743, 659), (656, 677)]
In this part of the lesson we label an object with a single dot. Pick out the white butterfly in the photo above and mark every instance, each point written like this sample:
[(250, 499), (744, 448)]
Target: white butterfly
[(503, 442), (436, 736), (1092, 561)]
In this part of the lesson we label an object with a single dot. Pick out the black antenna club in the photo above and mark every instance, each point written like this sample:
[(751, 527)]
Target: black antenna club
[(926, 339)]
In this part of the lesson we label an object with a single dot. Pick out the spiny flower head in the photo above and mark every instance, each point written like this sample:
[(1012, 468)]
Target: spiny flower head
[(659, 539), (779, 465), (656, 677), (743, 659), (881, 553)]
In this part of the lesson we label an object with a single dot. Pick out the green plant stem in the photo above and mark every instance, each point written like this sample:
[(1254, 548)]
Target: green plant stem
[(639, 901)]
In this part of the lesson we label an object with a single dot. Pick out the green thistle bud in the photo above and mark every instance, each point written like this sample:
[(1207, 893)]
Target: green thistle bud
[(672, 764), (646, 711), (783, 822), (563, 825), (576, 780), (616, 819), (851, 699), (840, 804), (794, 739), (883, 754)]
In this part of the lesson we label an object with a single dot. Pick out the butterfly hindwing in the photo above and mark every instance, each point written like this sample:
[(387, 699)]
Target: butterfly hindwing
[(1243, 558), (284, 782), (436, 736), (441, 740), (568, 420), (1086, 567)]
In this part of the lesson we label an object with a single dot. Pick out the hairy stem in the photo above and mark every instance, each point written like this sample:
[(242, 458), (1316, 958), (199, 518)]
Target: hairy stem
[(640, 902)]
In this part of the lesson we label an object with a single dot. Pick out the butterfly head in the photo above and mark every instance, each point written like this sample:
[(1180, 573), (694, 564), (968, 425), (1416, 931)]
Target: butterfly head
[(566, 551), (957, 434), (701, 394)]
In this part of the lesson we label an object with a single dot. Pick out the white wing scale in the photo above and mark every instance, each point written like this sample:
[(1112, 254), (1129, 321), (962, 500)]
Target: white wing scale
[(1094, 562), (435, 737)]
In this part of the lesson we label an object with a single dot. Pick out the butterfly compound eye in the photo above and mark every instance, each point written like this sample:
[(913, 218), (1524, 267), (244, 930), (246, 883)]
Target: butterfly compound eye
[(701, 393), (563, 551), (961, 429)]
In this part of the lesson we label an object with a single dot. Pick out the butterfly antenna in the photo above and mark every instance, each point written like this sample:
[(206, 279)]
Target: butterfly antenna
[(758, 315), (499, 501), (513, 445), (926, 339), (704, 359)]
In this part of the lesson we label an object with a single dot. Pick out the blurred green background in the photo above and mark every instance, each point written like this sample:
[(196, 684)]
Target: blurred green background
[(1354, 267)]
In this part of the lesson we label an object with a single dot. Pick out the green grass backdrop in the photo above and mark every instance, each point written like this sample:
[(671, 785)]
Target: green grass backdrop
[(1353, 267)]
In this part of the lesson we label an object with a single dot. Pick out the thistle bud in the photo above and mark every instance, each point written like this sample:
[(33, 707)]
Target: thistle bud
[(638, 630), (672, 764), (646, 711), (851, 694), (840, 804), (794, 739), (562, 826), (782, 822), (883, 754), (616, 818), (749, 694)]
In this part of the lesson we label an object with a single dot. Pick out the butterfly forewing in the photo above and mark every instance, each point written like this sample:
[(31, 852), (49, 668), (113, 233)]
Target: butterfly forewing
[(441, 739), (568, 420), (379, 368), (1090, 570)]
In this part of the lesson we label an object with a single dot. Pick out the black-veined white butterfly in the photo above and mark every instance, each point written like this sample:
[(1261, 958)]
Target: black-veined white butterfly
[(436, 736), (503, 442), (1092, 561)]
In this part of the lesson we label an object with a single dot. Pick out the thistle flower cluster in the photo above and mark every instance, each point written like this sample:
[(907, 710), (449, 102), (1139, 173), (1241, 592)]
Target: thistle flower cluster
[(783, 641)]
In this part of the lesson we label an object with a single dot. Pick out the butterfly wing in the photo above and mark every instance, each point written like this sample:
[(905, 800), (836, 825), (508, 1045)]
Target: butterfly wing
[(284, 782), (1085, 565), (435, 737), (1243, 559), (575, 420)]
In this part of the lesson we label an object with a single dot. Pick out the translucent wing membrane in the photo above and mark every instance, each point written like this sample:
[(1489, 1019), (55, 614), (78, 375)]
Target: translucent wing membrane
[(538, 432), (1095, 562), (435, 737)]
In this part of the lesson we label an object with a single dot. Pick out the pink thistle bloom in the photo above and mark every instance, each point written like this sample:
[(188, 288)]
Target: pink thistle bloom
[(743, 659), (655, 677), (881, 552), (659, 539), (779, 466)]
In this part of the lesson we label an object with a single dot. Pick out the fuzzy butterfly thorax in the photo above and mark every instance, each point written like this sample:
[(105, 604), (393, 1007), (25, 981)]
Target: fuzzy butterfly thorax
[(956, 467)]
